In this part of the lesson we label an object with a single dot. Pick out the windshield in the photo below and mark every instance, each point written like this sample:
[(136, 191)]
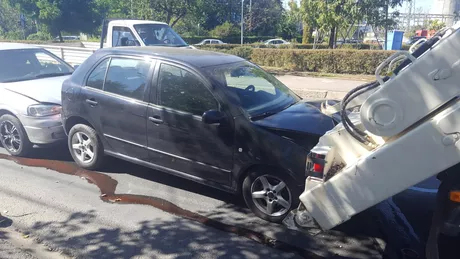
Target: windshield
[(26, 64), (159, 35), (256, 91)]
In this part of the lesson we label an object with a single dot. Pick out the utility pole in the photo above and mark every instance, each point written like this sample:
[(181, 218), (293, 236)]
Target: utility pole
[(242, 20)]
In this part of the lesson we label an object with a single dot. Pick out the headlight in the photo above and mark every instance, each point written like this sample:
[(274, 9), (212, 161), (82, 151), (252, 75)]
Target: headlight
[(42, 110)]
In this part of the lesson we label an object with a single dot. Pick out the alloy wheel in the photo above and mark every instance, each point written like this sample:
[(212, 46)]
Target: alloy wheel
[(82, 147), (10, 136), (271, 195)]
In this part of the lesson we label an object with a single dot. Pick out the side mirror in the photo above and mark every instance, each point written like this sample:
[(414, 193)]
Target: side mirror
[(213, 117), (76, 66)]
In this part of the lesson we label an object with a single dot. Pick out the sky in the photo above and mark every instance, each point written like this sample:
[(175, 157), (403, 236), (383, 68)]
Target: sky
[(423, 4)]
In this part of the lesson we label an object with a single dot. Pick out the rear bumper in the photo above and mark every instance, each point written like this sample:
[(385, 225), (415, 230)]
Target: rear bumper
[(44, 130)]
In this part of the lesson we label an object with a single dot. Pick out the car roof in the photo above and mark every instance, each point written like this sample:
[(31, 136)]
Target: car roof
[(193, 57), (11, 46), (129, 22)]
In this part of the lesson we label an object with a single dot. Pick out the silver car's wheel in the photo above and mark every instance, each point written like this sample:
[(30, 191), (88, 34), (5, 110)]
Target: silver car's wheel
[(271, 195), (82, 147), (10, 136), (13, 136)]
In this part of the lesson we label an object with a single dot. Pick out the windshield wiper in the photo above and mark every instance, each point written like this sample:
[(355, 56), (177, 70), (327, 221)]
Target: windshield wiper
[(52, 75), (263, 115)]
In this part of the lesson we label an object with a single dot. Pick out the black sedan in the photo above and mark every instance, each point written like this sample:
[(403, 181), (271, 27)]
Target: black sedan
[(208, 117)]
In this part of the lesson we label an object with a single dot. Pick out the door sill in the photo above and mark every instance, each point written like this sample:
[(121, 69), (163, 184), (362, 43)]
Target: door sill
[(171, 171)]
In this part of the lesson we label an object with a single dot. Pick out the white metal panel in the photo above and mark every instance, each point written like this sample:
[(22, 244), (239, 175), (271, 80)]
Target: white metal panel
[(396, 166)]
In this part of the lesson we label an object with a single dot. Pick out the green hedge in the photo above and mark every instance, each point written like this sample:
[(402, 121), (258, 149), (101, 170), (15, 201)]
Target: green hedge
[(324, 61), (294, 46)]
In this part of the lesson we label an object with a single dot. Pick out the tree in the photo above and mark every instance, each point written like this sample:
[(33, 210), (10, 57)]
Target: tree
[(264, 16), (225, 30), (171, 11), (288, 27), (71, 16), (329, 15), (9, 18), (435, 25)]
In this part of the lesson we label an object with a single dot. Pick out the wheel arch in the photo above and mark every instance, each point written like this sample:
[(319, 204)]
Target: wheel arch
[(253, 167), (74, 120), (5, 111)]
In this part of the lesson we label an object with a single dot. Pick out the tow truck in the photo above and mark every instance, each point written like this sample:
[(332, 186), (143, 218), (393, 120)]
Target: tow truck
[(395, 132)]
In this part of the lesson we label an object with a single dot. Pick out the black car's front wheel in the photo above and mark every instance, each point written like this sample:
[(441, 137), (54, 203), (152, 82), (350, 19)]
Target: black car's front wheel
[(85, 147), (270, 195)]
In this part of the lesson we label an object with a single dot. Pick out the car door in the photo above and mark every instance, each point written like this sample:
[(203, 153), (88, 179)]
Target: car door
[(121, 106), (177, 137)]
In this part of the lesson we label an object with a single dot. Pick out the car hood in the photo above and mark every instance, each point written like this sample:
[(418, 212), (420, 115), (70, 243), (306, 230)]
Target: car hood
[(45, 90), (301, 118)]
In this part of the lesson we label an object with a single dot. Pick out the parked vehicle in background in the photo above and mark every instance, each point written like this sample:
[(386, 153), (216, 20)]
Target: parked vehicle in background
[(125, 32), (209, 117), (30, 97), (210, 41), (68, 38), (414, 39), (276, 42)]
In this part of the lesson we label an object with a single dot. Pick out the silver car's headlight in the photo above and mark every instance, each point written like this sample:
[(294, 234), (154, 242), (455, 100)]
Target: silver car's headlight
[(42, 110)]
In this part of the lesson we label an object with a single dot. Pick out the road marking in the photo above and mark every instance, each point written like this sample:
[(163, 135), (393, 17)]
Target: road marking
[(425, 190)]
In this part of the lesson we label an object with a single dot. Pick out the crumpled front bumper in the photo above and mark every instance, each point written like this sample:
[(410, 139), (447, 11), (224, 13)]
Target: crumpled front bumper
[(43, 130)]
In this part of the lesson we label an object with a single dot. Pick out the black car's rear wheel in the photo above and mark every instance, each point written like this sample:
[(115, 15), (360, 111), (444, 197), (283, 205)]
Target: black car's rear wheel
[(85, 147), (270, 195)]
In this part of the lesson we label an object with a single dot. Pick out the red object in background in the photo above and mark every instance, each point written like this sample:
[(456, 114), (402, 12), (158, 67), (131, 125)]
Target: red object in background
[(425, 33)]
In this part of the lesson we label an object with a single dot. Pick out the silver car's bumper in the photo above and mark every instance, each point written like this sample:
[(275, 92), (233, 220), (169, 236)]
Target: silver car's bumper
[(43, 130)]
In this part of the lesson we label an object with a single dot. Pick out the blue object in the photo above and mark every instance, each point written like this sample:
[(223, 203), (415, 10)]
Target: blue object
[(394, 40)]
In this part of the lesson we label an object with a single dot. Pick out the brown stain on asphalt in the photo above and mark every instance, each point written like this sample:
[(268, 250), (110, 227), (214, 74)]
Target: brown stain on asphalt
[(107, 186)]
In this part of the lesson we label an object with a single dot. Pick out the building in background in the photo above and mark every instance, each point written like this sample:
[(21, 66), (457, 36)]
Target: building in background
[(446, 7)]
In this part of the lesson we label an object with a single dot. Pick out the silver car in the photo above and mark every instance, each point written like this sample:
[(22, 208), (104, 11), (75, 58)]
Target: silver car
[(30, 97)]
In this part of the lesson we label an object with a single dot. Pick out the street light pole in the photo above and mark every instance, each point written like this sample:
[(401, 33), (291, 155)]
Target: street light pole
[(242, 21)]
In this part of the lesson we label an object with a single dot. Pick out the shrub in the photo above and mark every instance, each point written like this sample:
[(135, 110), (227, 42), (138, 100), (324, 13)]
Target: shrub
[(325, 61), (40, 36), (227, 29)]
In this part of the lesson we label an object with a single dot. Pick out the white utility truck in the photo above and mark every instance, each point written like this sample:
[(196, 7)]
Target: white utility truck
[(126, 32), (395, 132)]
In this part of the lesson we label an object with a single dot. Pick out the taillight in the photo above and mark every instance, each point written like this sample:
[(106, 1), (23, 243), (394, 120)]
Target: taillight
[(315, 165)]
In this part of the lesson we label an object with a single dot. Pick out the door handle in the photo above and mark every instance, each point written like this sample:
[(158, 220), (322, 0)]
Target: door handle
[(156, 119), (92, 102)]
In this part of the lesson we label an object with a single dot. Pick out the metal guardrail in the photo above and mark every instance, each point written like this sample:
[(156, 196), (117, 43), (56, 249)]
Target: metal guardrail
[(72, 55)]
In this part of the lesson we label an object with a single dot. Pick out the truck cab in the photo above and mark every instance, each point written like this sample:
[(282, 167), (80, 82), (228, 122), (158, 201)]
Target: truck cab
[(126, 32)]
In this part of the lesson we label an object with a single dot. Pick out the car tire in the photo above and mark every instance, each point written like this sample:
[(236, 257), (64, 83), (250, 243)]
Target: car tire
[(13, 136), (86, 147), (263, 193)]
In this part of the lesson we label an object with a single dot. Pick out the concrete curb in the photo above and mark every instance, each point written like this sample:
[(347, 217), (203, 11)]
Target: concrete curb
[(320, 94)]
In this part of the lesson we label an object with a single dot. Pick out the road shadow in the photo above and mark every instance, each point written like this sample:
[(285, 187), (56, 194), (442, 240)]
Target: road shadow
[(172, 238), (5, 222)]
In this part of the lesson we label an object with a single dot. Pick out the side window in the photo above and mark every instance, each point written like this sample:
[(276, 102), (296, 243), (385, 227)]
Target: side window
[(96, 78), (120, 35), (127, 77), (184, 91)]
